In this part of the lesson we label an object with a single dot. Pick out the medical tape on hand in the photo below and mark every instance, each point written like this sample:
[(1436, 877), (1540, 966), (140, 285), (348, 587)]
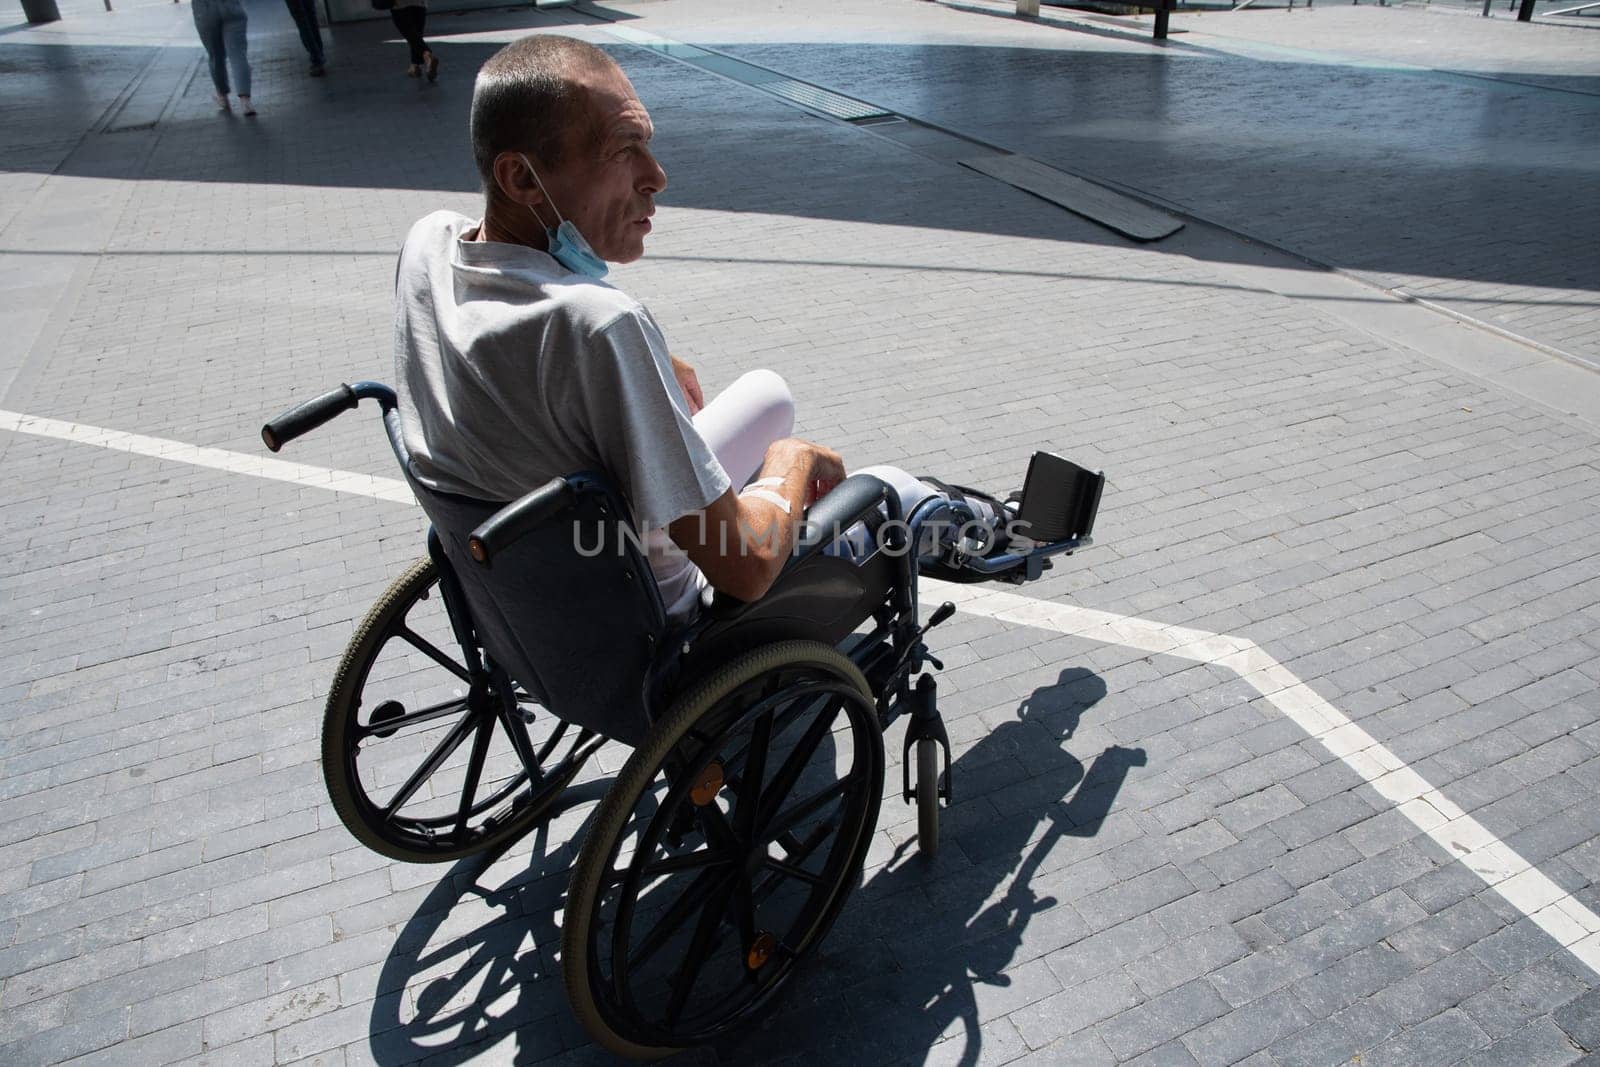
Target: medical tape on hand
[(768, 495)]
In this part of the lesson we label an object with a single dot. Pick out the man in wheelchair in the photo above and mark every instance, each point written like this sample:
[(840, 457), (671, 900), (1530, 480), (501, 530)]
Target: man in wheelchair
[(536, 401), (517, 362)]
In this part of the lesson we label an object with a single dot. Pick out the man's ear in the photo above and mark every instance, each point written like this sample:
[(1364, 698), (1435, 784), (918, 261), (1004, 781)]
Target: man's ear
[(513, 181)]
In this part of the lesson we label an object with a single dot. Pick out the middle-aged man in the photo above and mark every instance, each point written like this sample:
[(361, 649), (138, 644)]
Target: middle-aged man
[(517, 363)]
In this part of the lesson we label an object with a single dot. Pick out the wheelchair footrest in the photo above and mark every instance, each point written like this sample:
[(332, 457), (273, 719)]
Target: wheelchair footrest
[(1059, 499), (924, 724)]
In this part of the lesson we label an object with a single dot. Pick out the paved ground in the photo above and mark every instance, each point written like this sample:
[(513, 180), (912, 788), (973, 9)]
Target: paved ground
[(1150, 861)]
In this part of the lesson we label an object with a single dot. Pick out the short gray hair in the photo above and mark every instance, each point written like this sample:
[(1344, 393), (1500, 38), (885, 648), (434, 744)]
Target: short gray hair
[(526, 99)]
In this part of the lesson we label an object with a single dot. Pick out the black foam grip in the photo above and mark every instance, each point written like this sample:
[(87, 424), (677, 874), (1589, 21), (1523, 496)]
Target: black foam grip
[(505, 526), (845, 505), (308, 416)]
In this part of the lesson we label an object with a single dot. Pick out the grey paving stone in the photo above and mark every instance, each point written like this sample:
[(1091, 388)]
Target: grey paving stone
[(79, 1037), (1243, 1031), (1386, 871), (1162, 1018), (1513, 948), (1074, 1008), (1339, 1038), (1581, 1020), (1137, 896), (1172, 1054), (1321, 818), (1438, 986), (1107, 950), (1537, 1045), (1446, 932), (1188, 959), (1309, 908), (1304, 865), (1373, 969), (1449, 1037)]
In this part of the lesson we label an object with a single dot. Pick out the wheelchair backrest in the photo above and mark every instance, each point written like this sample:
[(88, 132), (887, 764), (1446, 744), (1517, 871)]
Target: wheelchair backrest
[(570, 610)]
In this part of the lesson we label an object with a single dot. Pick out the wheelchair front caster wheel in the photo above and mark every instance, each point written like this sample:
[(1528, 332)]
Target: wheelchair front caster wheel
[(724, 850), (928, 797)]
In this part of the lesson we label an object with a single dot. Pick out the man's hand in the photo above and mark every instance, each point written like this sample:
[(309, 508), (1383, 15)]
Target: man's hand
[(689, 384), (741, 541), (824, 468)]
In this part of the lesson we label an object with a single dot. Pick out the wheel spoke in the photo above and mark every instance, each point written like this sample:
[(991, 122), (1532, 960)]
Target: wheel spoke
[(755, 771), (789, 773), (792, 871), (796, 857), (690, 862), (423, 645), (717, 830), (709, 880), (785, 821), (413, 718), (435, 760), (744, 898), (518, 733), (700, 946), (553, 740), (469, 788)]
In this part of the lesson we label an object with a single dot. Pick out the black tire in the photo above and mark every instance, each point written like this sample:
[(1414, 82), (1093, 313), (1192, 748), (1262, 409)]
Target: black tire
[(670, 799), (928, 797), (425, 830)]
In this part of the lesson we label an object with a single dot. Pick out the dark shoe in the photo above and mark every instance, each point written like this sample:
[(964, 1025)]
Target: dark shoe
[(318, 70), (433, 67)]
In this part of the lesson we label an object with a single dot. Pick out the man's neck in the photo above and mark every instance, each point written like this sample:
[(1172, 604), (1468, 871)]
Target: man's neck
[(511, 231)]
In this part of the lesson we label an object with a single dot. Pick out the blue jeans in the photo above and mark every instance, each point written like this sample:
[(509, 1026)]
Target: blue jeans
[(221, 24), (304, 13)]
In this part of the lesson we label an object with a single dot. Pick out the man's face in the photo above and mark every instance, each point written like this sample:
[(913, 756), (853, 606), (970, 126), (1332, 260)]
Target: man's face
[(608, 179)]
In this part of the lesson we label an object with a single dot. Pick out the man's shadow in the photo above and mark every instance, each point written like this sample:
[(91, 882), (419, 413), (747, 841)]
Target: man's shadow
[(898, 972)]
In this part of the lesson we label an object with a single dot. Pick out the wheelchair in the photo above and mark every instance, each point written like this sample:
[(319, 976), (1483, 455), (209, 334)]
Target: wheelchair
[(489, 673)]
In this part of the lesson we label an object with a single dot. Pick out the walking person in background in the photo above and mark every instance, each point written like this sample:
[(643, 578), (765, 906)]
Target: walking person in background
[(221, 25), (304, 13), (409, 18)]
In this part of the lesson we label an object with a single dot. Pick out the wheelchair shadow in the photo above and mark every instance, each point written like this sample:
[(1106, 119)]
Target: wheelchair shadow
[(475, 968), (923, 946)]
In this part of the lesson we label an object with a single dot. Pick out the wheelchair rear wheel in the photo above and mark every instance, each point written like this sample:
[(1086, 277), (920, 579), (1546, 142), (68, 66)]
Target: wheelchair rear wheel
[(724, 850), (423, 759)]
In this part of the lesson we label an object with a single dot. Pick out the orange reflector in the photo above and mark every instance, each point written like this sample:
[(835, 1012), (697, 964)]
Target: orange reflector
[(760, 951), (708, 785)]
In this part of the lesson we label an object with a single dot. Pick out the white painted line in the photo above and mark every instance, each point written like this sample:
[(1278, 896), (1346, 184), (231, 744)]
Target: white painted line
[(1523, 885), (391, 489)]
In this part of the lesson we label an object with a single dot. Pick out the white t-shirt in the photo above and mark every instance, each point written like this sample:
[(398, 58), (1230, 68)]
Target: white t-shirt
[(513, 370)]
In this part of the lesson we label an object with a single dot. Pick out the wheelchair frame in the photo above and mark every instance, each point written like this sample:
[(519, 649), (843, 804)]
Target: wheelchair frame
[(718, 698)]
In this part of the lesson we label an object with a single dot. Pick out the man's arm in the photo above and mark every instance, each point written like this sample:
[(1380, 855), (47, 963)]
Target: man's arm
[(741, 542)]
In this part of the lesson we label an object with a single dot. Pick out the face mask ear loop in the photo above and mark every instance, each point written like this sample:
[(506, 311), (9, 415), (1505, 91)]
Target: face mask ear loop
[(542, 192)]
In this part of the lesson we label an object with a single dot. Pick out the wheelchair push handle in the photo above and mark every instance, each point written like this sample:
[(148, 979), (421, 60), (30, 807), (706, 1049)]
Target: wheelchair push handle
[(505, 526), (306, 417)]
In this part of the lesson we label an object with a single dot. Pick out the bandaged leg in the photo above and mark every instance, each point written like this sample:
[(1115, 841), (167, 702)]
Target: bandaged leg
[(937, 535), (741, 422)]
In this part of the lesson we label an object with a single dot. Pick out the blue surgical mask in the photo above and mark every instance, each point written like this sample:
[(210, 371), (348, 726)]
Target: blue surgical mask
[(565, 244)]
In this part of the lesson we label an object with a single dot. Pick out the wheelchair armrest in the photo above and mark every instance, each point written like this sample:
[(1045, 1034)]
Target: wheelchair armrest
[(502, 529), (846, 504)]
